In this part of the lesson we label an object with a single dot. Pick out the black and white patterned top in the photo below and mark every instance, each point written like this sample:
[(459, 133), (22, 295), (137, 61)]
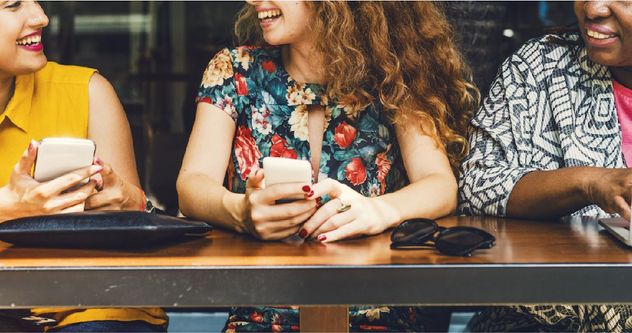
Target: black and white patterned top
[(550, 107)]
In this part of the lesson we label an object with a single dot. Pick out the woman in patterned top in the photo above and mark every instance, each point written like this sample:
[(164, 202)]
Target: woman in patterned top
[(552, 139), (370, 93)]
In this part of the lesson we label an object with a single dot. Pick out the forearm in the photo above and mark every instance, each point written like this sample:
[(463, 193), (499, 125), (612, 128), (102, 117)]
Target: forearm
[(432, 197), (214, 203), (549, 194)]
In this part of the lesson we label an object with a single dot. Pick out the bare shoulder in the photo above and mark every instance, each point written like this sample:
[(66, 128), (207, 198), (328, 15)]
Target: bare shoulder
[(103, 99), (98, 84)]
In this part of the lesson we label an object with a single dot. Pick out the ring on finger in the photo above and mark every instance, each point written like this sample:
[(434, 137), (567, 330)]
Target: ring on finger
[(344, 206)]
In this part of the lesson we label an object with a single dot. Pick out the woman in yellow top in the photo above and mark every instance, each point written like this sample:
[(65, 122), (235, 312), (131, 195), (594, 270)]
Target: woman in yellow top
[(39, 99)]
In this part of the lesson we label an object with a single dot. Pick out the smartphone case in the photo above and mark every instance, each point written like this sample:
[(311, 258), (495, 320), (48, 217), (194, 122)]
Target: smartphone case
[(59, 156), (278, 170)]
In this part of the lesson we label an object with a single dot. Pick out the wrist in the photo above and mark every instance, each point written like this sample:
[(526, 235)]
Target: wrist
[(130, 197), (7, 204), (234, 205), (142, 200), (585, 180), (145, 205), (389, 216)]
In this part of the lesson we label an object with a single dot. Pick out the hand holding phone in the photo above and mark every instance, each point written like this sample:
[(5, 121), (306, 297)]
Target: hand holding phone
[(279, 170), (59, 156), (276, 201), (24, 196)]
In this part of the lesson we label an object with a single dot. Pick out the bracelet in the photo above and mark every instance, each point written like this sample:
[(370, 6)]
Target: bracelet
[(143, 203), (146, 205)]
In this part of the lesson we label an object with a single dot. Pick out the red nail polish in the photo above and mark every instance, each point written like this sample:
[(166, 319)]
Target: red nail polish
[(302, 233), (309, 195), (322, 238), (307, 189), (98, 161)]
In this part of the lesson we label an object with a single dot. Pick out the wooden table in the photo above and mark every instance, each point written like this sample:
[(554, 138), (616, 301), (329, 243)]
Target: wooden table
[(533, 262)]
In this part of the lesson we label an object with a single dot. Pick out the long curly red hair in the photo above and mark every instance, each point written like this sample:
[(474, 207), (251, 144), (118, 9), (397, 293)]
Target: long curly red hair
[(401, 52)]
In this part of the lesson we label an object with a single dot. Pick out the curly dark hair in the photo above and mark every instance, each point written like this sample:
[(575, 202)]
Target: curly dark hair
[(402, 53)]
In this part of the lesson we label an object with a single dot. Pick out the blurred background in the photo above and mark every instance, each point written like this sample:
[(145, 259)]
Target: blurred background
[(154, 54)]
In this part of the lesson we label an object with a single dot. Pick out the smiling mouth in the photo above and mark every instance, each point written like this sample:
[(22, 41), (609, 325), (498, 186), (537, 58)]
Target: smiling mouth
[(269, 15), (598, 35), (29, 40)]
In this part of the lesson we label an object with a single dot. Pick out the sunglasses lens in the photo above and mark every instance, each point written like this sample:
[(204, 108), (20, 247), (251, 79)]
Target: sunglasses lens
[(461, 241), (413, 231)]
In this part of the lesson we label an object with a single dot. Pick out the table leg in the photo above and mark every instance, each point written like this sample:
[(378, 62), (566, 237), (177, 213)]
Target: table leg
[(324, 318)]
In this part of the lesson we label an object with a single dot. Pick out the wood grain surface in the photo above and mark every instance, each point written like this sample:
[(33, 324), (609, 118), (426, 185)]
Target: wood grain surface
[(518, 241)]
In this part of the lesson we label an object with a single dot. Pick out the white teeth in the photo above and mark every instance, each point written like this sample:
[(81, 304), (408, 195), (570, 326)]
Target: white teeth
[(29, 40), (268, 13), (597, 35)]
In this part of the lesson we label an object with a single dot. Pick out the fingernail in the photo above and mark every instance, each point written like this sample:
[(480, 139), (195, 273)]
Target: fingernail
[(98, 161), (322, 238), (302, 233), (318, 202), (307, 189), (31, 145), (309, 195)]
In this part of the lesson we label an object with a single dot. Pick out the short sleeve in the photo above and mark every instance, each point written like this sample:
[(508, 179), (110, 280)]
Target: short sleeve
[(218, 84)]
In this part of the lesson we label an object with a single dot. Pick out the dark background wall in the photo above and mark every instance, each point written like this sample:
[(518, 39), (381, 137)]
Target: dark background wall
[(154, 54)]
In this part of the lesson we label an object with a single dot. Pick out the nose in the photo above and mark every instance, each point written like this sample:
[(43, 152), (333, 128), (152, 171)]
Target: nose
[(37, 17), (597, 9)]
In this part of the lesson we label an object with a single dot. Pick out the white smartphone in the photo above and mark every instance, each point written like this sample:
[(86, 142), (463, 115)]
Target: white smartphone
[(59, 156), (279, 170)]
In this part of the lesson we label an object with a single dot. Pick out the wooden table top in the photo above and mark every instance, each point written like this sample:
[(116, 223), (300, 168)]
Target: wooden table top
[(518, 242), (533, 262)]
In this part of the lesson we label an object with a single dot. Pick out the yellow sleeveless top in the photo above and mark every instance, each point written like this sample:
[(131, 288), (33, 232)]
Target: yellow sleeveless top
[(50, 102), (54, 102)]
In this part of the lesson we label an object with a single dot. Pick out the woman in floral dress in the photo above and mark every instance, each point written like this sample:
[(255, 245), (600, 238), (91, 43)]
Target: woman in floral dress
[(372, 94)]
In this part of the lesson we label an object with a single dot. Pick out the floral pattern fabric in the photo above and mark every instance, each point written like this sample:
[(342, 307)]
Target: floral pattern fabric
[(270, 111)]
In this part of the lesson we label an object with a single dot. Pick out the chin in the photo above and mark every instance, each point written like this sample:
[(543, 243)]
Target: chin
[(33, 65), (274, 40), (603, 58)]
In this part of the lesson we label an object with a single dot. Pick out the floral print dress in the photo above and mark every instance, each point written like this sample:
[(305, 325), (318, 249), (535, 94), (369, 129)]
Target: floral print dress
[(270, 111)]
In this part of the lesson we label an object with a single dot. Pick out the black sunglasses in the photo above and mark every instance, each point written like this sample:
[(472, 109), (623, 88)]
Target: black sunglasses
[(454, 241)]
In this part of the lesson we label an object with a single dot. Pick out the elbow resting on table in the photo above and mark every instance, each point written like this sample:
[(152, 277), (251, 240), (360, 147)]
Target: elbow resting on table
[(184, 189), (451, 187)]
